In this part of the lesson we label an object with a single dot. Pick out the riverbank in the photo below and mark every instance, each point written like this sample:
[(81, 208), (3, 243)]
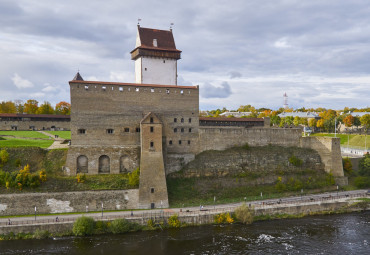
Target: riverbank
[(263, 210)]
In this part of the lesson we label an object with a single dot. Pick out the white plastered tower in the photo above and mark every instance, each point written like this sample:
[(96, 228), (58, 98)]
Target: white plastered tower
[(155, 56)]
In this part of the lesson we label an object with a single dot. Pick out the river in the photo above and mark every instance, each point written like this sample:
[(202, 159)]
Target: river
[(332, 234)]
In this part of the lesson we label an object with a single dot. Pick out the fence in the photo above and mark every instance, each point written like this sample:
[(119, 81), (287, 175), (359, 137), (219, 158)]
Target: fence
[(142, 217), (354, 150)]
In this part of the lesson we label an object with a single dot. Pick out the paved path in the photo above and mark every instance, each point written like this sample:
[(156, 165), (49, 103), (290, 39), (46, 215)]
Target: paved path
[(58, 142), (293, 201)]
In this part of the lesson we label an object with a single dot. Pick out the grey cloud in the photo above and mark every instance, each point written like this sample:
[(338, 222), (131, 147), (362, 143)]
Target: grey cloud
[(210, 91), (235, 74)]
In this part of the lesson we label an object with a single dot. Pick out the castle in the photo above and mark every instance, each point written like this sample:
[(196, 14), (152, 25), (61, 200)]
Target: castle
[(155, 124)]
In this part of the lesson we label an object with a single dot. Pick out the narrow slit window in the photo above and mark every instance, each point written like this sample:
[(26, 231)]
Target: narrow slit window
[(188, 142), (175, 130), (189, 120), (179, 142), (182, 130), (151, 129), (170, 142), (152, 90), (151, 144), (138, 130), (120, 89), (151, 120), (82, 131), (152, 190), (189, 130), (175, 120), (167, 91), (137, 89), (182, 120)]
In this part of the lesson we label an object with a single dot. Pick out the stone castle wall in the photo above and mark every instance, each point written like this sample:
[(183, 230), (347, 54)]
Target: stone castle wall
[(34, 125), (63, 202)]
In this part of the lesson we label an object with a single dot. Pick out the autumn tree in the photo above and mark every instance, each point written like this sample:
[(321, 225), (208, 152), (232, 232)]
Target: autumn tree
[(63, 108), (365, 121), (31, 106), (312, 122), (19, 106), (296, 121), (7, 107), (45, 108), (348, 121)]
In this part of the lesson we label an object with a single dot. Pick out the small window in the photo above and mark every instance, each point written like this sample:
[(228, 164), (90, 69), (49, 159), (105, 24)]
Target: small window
[(110, 131), (127, 130), (180, 142), (188, 142), (151, 120), (137, 130), (112, 88), (167, 91), (82, 131), (175, 130), (104, 87), (189, 130), (151, 144), (151, 129), (86, 87), (175, 120), (129, 89), (120, 89), (189, 120), (152, 90), (145, 69), (170, 142), (181, 92), (182, 130), (182, 120), (137, 89), (151, 190)]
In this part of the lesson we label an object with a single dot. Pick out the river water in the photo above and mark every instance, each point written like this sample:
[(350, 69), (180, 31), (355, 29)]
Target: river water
[(334, 234)]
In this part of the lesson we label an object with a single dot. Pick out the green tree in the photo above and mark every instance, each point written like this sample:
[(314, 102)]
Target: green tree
[(4, 157), (364, 165), (244, 214), (134, 178), (45, 108), (289, 120), (296, 121), (365, 121), (275, 120), (31, 106), (347, 166), (312, 122)]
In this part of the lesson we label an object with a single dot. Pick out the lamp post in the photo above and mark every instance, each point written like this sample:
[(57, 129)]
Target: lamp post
[(214, 202), (102, 208), (35, 212), (335, 128)]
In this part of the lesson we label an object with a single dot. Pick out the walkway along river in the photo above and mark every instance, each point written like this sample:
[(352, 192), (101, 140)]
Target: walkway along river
[(293, 205)]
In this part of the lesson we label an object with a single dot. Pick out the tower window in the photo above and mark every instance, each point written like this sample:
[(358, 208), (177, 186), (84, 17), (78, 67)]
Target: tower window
[(81, 131), (188, 142), (86, 87), (151, 120), (180, 142), (120, 89), (152, 90), (151, 144), (182, 130), (127, 130), (189, 130), (167, 91), (151, 129), (110, 131), (181, 92), (175, 120), (170, 142), (104, 87), (182, 120), (151, 190), (189, 120), (137, 130), (175, 130), (137, 89)]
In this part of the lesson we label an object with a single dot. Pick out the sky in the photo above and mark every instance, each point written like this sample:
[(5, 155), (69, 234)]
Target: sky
[(239, 52)]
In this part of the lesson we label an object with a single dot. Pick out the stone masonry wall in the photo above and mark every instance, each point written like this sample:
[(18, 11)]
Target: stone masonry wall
[(23, 204), (38, 125)]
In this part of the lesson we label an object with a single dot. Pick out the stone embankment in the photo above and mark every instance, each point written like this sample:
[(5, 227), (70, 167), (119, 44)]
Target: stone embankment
[(307, 205)]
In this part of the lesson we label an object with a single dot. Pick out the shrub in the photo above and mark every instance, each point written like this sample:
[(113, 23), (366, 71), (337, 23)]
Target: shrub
[(362, 182), (83, 226), (134, 178), (4, 157), (119, 226), (17, 162), (81, 178), (101, 227), (150, 224), (42, 175), (295, 161), (364, 165), (347, 166), (280, 186), (244, 214), (41, 234), (223, 218), (174, 221)]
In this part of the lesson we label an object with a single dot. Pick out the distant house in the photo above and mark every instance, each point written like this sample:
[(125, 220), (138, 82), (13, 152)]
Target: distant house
[(235, 114), (307, 115), (12, 121), (358, 114)]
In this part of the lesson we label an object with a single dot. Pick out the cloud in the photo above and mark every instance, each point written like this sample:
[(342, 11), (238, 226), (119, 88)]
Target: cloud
[(21, 83), (282, 43), (210, 91), (235, 74), (49, 89)]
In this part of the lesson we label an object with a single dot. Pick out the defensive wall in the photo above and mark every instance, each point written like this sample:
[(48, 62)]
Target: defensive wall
[(64, 202), (34, 122)]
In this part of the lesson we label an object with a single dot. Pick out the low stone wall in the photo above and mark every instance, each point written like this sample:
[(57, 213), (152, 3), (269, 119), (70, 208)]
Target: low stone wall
[(63, 202)]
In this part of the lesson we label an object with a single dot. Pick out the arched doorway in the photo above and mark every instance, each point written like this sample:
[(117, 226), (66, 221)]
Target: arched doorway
[(82, 164), (104, 164)]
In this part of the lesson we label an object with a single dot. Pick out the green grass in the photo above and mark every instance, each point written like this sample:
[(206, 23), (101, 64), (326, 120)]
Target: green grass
[(27, 134), (354, 140), (12, 142), (62, 134)]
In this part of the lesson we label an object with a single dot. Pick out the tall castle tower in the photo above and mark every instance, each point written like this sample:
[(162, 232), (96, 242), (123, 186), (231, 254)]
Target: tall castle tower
[(155, 56)]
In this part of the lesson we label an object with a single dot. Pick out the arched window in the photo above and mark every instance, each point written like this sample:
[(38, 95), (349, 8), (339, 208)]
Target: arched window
[(104, 164), (82, 164)]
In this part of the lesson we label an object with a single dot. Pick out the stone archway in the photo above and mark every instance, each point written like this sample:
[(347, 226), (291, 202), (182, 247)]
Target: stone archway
[(82, 164), (104, 164)]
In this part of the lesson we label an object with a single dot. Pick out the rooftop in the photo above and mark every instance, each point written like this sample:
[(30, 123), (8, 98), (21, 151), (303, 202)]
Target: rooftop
[(131, 84), (229, 119)]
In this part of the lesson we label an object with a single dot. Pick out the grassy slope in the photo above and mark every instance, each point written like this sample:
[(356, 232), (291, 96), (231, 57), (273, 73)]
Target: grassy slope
[(11, 142), (62, 134), (354, 140), (30, 134)]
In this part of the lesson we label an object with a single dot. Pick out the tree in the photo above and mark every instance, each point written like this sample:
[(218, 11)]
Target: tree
[(45, 108), (289, 120), (349, 120), (7, 107), (357, 122), (275, 120), (296, 121), (312, 122), (320, 123), (365, 121), (19, 105), (63, 108), (364, 165), (31, 106)]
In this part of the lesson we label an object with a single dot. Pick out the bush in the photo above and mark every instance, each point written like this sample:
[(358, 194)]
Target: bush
[(364, 166), (81, 178), (223, 218), (119, 226), (174, 221), (101, 227), (17, 162), (295, 161), (83, 226), (244, 214), (41, 234), (362, 182), (347, 166), (134, 178), (4, 157)]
